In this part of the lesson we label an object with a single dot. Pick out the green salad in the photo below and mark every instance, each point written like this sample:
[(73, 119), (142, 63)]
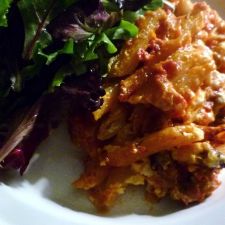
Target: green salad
[(53, 57)]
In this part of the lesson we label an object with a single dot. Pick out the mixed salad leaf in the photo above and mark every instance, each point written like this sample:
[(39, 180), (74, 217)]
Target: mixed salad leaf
[(53, 57), (5, 5)]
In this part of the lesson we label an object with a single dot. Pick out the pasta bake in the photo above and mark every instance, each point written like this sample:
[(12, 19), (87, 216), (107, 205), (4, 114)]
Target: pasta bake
[(162, 123)]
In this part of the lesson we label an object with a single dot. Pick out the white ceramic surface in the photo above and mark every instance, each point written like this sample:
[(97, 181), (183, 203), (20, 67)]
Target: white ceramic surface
[(44, 196)]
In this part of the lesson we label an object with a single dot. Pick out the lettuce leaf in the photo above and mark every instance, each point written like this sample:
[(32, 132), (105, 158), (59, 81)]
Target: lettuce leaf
[(4, 8), (36, 16)]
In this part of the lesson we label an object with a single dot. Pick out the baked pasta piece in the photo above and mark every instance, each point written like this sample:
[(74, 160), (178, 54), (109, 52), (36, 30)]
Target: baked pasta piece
[(162, 122)]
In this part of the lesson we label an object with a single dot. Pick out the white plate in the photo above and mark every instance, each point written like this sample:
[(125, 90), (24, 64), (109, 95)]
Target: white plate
[(44, 196)]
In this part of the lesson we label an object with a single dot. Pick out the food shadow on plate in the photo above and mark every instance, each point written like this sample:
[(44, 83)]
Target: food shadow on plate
[(55, 168)]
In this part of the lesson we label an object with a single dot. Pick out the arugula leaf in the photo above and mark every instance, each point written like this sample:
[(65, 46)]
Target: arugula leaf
[(94, 43), (88, 51), (68, 49), (84, 52), (60, 76), (4, 8), (123, 31)]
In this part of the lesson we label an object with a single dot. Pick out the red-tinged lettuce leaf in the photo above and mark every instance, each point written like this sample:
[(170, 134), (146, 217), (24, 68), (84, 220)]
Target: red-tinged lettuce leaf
[(22, 130), (79, 22), (84, 92), (45, 115), (52, 111)]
